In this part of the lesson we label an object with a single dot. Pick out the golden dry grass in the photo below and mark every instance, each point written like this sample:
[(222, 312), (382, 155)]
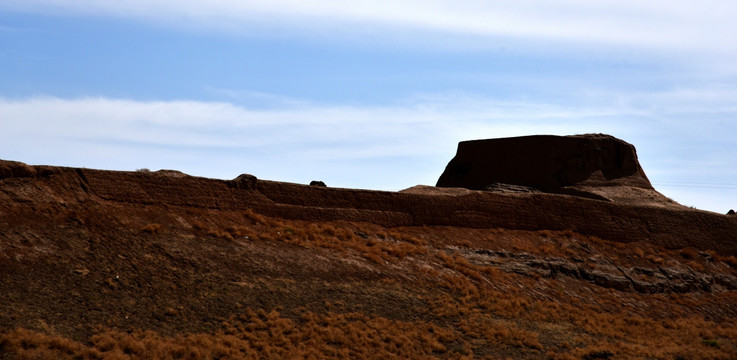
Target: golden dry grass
[(474, 311), (251, 335)]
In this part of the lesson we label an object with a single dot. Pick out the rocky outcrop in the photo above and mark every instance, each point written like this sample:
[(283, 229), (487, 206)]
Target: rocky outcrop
[(554, 164), (672, 278), (509, 188), (14, 169), (244, 181), (27, 187)]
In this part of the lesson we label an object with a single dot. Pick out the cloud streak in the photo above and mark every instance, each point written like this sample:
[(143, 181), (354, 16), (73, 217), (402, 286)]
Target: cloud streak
[(221, 124), (385, 147), (359, 146), (675, 24)]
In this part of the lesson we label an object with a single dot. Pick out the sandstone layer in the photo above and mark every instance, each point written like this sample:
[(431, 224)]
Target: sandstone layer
[(673, 227), (595, 166)]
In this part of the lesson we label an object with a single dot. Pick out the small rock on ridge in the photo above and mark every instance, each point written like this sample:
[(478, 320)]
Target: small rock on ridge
[(243, 181)]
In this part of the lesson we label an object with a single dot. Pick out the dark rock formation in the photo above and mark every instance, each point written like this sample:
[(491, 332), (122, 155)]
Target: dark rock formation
[(672, 278), (545, 162), (14, 169), (674, 227), (244, 181), (730, 212), (317, 183), (509, 188)]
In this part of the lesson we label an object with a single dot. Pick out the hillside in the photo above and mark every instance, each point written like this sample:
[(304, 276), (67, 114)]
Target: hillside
[(161, 265)]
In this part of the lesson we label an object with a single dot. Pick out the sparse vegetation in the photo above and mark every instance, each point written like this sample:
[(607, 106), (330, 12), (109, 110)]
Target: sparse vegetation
[(729, 260), (151, 228), (254, 334), (219, 290)]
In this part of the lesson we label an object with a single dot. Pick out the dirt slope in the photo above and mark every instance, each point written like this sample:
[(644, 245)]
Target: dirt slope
[(101, 264)]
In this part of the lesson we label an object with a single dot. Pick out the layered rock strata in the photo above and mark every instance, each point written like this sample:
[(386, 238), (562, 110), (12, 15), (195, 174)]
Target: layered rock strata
[(29, 188), (595, 166)]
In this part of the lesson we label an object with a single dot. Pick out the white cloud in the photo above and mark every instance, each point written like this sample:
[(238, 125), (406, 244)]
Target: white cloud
[(384, 147), (226, 126), (675, 24), (215, 139), (223, 125), (456, 115)]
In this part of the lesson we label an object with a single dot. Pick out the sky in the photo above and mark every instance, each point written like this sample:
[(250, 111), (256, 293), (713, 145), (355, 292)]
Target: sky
[(368, 94)]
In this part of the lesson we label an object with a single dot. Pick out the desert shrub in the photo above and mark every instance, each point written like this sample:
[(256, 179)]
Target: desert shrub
[(254, 217), (710, 342), (220, 234), (198, 225), (730, 260), (696, 265), (151, 228), (689, 253), (655, 258)]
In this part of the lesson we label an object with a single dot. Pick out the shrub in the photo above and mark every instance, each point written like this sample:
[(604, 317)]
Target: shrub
[(712, 343), (729, 260), (689, 253), (151, 228)]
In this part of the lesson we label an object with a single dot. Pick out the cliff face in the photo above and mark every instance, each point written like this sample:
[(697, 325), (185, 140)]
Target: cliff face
[(672, 227), (555, 164)]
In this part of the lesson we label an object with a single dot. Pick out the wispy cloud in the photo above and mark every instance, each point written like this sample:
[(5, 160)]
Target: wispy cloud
[(224, 125), (257, 99), (387, 147), (102, 132), (421, 125), (675, 24)]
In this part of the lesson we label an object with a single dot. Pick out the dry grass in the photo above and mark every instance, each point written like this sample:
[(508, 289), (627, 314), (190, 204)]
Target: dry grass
[(491, 309), (509, 318), (251, 335), (729, 260), (152, 228), (474, 311), (378, 247)]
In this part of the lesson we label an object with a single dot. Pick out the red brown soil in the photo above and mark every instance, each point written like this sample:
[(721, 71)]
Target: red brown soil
[(138, 265)]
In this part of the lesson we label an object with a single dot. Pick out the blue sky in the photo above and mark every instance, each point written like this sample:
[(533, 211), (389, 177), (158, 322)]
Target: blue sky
[(367, 94)]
